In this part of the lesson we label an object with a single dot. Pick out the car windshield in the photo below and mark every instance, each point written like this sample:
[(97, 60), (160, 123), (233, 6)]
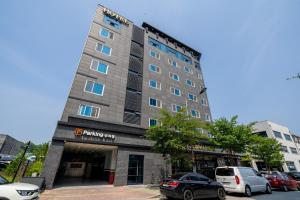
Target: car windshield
[(225, 172), (3, 180), (177, 176), (296, 174), (280, 175)]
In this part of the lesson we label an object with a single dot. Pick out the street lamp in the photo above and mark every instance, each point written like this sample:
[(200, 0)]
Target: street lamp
[(203, 90)]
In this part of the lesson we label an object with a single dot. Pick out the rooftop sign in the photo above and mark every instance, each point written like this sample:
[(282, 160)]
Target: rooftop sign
[(116, 16)]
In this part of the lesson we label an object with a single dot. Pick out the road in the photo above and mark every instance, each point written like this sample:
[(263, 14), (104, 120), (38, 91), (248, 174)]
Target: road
[(277, 195), (141, 193)]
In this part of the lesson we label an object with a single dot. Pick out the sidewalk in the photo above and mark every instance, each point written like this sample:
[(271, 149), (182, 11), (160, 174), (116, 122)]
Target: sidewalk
[(101, 193)]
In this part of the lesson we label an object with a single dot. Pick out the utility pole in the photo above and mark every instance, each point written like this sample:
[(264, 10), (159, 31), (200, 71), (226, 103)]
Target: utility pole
[(21, 160)]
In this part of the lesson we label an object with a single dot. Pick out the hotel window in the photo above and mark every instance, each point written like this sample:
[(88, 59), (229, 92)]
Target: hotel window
[(287, 137), (291, 166), (93, 87), (284, 149), (154, 102), (173, 63), (176, 108), (169, 50), (106, 33), (188, 70), (154, 54), (88, 111), (207, 117), (99, 66), (195, 113), (112, 22), (154, 84), (103, 49), (204, 102), (152, 122), (175, 91), (154, 68), (174, 76), (293, 150), (189, 83), (277, 134), (192, 97)]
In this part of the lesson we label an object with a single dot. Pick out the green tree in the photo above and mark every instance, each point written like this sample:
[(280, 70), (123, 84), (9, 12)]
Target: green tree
[(40, 151), (176, 135), (267, 150), (12, 167), (230, 136)]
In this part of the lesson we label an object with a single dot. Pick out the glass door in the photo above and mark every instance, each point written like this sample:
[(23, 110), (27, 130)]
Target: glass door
[(135, 169)]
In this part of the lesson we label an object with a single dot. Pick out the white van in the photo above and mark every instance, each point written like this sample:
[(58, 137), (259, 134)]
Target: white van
[(242, 180)]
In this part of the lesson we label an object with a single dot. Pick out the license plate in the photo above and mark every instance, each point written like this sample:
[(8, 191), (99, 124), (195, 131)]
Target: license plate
[(165, 185)]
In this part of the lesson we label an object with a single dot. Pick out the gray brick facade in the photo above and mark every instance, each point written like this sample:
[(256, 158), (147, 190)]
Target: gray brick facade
[(124, 105)]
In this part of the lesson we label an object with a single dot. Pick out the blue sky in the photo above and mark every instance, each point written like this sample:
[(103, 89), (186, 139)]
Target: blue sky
[(248, 50)]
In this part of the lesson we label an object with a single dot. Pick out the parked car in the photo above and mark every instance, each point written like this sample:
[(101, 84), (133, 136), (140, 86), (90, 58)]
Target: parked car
[(189, 186), (5, 160), (17, 191), (295, 176), (244, 180), (282, 181)]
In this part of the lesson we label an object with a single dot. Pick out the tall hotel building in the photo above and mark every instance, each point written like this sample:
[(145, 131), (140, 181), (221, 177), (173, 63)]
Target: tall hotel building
[(126, 74)]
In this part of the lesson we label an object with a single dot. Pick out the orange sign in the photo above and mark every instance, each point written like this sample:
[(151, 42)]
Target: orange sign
[(78, 131)]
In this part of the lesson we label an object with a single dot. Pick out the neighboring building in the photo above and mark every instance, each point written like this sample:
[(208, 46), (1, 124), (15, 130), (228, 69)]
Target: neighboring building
[(9, 145), (289, 147), (126, 74)]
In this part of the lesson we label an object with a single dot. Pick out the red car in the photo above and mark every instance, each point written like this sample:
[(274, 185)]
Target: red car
[(279, 180)]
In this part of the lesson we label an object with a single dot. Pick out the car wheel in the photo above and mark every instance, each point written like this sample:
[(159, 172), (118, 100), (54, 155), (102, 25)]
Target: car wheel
[(221, 194), (188, 195), (268, 189), (285, 188), (248, 192)]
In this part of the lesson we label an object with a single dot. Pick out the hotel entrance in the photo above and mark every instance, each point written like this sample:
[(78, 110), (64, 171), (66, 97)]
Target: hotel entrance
[(86, 164)]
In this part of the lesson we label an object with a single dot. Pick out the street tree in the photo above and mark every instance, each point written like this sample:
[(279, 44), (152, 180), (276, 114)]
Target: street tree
[(176, 135), (230, 136), (267, 150)]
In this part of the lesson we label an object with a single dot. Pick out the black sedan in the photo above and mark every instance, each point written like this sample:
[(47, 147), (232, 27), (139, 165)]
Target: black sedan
[(190, 186)]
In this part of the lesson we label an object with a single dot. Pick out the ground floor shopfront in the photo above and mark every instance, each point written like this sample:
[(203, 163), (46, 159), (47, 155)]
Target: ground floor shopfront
[(85, 154), (206, 162)]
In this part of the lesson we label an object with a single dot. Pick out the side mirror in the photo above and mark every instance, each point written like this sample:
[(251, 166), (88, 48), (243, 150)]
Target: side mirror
[(209, 181)]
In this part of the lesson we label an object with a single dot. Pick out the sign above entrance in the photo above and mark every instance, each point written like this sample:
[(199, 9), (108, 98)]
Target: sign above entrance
[(116, 16), (84, 132)]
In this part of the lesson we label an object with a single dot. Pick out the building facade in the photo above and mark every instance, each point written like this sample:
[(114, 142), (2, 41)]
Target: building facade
[(9, 145), (126, 74), (289, 144)]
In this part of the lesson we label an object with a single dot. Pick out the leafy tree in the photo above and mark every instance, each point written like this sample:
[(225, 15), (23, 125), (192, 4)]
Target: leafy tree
[(39, 151), (176, 135), (35, 167), (12, 167), (267, 150), (230, 136)]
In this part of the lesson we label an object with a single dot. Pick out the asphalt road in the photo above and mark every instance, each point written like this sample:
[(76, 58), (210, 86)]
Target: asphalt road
[(277, 195), (141, 193)]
